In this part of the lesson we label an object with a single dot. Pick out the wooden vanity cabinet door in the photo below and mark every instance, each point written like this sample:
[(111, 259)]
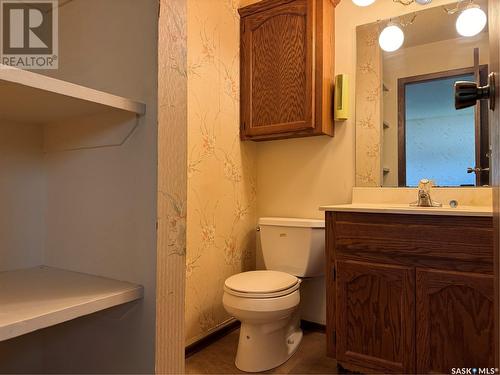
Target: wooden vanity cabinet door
[(455, 315), (375, 317), (277, 69)]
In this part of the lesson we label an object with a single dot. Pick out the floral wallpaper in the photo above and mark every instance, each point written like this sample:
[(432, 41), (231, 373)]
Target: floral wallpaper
[(368, 107), (221, 203), (172, 186)]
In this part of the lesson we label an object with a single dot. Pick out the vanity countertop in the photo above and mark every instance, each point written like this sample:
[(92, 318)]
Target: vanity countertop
[(393, 208)]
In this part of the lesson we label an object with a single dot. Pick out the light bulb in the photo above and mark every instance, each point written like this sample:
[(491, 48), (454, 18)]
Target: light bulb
[(391, 38), (363, 3), (471, 21)]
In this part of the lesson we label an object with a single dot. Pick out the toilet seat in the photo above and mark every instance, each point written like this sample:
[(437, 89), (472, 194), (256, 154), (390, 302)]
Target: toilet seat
[(261, 284)]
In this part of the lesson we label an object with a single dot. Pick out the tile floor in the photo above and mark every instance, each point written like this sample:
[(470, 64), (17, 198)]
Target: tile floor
[(218, 357)]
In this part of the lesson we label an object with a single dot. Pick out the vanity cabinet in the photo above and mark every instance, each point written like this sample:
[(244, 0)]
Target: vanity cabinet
[(454, 320), (286, 57), (376, 306), (409, 293)]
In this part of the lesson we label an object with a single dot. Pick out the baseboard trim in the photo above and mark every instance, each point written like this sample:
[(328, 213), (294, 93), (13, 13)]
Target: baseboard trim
[(312, 326), (211, 338)]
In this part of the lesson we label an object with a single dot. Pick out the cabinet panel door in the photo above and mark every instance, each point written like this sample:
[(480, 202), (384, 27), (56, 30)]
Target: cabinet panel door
[(454, 320), (277, 69), (331, 287), (376, 316)]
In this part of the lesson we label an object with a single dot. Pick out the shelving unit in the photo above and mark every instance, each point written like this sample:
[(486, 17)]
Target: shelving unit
[(34, 98), (78, 175), (36, 298)]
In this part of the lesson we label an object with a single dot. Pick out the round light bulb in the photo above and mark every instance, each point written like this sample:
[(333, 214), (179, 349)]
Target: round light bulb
[(471, 21), (363, 3), (391, 38)]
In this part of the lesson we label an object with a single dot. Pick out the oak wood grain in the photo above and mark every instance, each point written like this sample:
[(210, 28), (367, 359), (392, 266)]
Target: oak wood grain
[(281, 60), (384, 267), (375, 316), (261, 6), (325, 67), (286, 64), (454, 320), (445, 242), (330, 286)]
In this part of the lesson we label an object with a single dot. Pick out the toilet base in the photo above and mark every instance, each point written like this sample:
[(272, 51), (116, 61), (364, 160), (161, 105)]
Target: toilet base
[(265, 346)]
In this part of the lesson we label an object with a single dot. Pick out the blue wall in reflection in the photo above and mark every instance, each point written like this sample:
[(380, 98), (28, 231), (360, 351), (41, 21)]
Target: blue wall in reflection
[(440, 141)]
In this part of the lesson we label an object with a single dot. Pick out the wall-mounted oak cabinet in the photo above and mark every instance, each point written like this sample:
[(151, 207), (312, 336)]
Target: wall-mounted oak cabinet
[(287, 60)]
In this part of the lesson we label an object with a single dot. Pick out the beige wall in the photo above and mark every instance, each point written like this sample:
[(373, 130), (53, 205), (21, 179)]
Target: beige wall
[(296, 176), (23, 192), (221, 211)]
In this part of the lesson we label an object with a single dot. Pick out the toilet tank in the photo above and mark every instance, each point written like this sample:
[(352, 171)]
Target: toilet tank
[(295, 246)]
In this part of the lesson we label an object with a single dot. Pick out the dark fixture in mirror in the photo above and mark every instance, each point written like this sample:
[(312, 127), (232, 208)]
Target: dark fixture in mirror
[(468, 93)]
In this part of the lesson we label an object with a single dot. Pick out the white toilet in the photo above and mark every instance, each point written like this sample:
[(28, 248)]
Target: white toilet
[(266, 302)]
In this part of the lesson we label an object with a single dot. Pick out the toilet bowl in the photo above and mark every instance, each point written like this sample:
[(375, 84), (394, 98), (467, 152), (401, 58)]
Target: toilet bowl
[(266, 303)]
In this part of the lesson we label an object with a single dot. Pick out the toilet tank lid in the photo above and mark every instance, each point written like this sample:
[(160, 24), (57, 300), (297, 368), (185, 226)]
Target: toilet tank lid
[(292, 222)]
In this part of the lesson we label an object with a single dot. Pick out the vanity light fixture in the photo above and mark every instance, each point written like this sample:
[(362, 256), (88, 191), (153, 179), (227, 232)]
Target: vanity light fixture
[(363, 3), (471, 20), (409, 2), (391, 38)]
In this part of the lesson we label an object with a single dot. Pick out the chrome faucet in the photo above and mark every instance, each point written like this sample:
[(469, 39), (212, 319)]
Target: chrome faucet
[(424, 195)]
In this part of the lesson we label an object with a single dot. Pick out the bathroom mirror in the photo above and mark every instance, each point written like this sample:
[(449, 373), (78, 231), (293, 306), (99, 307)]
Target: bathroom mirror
[(407, 127)]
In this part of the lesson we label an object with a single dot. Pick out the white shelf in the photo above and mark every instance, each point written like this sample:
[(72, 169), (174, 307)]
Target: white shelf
[(35, 98), (41, 297)]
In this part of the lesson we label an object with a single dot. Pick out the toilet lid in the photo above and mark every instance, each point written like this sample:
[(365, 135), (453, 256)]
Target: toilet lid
[(261, 282)]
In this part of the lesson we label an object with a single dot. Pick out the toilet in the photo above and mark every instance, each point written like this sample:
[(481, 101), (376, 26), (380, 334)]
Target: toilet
[(267, 302)]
